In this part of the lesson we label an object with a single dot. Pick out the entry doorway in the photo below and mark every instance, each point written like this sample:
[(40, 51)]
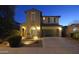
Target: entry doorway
[(33, 31)]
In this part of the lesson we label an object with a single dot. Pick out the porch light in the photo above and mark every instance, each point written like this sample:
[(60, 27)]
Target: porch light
[(60, 28)]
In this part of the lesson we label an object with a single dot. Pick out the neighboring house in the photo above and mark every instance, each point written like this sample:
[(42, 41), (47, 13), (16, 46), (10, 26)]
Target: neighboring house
[(72, 28), (41, 26)]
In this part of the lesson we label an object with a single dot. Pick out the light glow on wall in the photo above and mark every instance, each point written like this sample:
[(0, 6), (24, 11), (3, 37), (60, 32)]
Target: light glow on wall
[(33, 28), (23, 27), (60, 28), (38, 28), (35, 38), (28, 42)]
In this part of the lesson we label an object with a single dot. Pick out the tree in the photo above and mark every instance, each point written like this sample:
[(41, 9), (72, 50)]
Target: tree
[(7, 23)]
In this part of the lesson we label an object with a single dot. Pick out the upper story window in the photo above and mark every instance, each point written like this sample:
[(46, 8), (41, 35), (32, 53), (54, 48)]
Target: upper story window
[(33, 16), (52, 20), (55, 20)]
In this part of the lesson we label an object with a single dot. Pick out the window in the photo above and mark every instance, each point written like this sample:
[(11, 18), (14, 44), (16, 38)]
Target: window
[(54, 20), (33, 16), (51, 20), (48, 20)]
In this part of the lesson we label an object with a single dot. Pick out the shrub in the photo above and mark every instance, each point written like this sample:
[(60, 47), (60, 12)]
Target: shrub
[(15, 41), (75, 35)]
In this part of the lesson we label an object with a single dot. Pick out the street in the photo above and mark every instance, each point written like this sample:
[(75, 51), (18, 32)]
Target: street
[(51, 45)]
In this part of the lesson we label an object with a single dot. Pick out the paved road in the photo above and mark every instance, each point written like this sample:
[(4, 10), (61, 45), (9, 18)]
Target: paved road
[(51, 45)]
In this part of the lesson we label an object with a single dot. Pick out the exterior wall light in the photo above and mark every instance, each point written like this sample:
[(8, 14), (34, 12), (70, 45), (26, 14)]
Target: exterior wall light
[(60, 28)]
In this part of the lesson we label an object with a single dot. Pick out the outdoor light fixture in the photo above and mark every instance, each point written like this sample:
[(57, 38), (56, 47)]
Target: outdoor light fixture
[(43, 18), (35, 38), (60, 28)]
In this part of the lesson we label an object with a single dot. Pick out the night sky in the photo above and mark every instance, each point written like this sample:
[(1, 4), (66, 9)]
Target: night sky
[(69, 14)]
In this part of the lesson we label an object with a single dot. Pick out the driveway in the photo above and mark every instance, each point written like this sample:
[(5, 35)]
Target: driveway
[(61, 45), (51, 45)]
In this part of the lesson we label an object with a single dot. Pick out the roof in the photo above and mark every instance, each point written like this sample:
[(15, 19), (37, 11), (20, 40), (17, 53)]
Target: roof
[(51, 16), (33, 9)]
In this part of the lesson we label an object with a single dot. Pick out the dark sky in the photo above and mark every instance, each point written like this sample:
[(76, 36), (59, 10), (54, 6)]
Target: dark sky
[(68, 13)]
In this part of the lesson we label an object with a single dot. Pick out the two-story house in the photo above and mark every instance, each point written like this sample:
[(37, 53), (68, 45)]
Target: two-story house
[(41, 26)]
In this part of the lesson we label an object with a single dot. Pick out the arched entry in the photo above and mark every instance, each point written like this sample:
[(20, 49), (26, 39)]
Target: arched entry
[(33, 31), (23, 30)]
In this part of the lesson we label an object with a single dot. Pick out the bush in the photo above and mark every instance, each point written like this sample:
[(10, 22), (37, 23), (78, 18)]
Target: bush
[(15, 41), (75, 35)]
